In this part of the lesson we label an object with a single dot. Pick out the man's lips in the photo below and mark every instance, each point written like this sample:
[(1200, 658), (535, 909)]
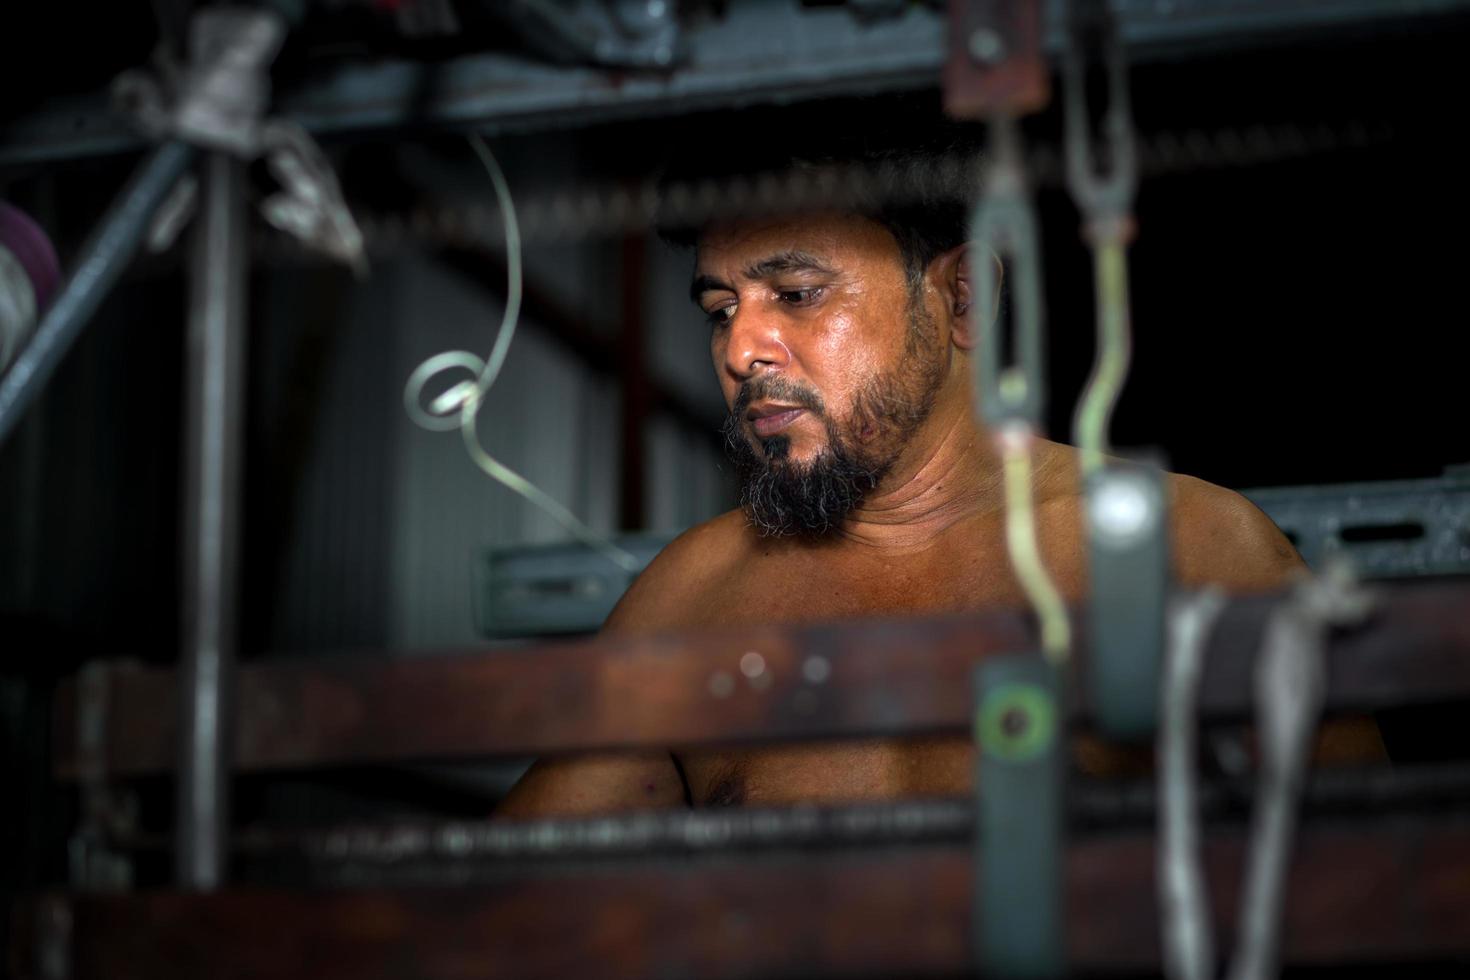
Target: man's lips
[(767, 420)]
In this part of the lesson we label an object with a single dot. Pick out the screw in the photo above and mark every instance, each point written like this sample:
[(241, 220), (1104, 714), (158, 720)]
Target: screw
[(816, 669), (986, 46), (1015, 722), (1122, 508)]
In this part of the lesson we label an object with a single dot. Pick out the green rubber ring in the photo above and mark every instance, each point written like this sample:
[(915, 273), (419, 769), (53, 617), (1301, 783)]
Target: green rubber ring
[(1036, 707)]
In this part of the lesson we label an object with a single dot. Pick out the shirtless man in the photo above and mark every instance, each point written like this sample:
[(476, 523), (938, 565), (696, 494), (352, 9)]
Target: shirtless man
[(870, 488)]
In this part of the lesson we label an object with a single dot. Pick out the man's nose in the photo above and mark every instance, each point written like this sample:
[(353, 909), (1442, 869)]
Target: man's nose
[(754, 345)]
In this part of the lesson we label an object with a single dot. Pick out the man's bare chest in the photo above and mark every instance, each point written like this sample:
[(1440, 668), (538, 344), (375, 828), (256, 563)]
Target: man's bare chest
[(808, 589), (803, 590)]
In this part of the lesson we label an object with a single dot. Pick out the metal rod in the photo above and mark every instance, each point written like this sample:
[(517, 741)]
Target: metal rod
[(212, 480), (107, 253), (1188, 939), (1093, 806)]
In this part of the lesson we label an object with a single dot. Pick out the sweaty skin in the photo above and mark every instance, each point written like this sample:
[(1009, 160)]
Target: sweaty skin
[(823, 301)]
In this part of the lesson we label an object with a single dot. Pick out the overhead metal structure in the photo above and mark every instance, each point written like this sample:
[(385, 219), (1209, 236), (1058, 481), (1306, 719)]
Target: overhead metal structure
[(757, 52)]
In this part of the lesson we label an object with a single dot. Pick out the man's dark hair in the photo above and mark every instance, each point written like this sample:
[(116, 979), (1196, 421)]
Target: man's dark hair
[(922, 191)]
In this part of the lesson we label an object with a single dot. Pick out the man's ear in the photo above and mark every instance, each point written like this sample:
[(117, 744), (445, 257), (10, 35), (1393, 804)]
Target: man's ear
[(950, 275), (963, 328), (957, 287)]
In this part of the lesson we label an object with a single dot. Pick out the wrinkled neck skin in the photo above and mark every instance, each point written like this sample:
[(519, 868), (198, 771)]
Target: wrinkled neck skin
[(950, 471)]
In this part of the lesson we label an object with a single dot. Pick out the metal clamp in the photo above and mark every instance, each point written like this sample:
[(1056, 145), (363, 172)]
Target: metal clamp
[(1128, 554), (1020, 736)]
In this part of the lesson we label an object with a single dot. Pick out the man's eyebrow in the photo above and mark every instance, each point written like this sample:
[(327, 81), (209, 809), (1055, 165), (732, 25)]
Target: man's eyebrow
[(704, 284), (792, 261)]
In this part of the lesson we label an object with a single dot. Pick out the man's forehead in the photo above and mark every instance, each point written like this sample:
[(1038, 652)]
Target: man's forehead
[(824, 238)]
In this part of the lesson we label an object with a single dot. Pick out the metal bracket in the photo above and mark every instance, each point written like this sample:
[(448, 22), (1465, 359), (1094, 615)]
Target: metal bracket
[(995, 63), (1128, 551), (612, 33), (1020, 729)]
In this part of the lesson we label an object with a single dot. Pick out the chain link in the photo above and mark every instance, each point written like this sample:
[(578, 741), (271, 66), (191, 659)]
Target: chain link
[(610, 211)]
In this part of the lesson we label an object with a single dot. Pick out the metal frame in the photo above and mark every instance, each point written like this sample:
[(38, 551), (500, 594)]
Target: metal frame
[(761, 51), (1322, 520)]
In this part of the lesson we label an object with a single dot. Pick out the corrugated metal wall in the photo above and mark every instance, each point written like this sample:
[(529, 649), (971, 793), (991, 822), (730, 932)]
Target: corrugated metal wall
[(361, 529), (388, 518)]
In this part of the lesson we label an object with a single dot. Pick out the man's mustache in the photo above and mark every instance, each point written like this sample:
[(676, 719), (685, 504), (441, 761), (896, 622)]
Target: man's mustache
[(777, 389)]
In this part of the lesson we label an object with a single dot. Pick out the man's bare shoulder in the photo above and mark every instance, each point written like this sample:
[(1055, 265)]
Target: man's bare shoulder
[(662, 595), (1218, 536), (1221, 537)]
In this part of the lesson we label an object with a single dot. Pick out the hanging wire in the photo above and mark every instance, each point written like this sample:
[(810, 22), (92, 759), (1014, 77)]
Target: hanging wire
[(1106, 201), (1115, 350), (457, 407), (1015, 443), (1011, 397)]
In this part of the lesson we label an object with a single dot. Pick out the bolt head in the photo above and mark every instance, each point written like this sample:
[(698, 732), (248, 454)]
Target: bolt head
[(987, 47)]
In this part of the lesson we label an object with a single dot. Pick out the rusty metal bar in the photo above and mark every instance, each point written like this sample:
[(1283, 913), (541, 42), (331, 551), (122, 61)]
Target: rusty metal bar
[(416, 852), (1390, 893), (876, 678)]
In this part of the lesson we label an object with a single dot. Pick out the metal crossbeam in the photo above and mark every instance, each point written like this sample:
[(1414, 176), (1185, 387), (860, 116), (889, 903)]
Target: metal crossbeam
[(1390, 528), (760, 51)]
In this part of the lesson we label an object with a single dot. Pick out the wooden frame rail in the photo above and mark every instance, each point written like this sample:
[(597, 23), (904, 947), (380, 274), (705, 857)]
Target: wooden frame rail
[(839, 680), (1392, 892)]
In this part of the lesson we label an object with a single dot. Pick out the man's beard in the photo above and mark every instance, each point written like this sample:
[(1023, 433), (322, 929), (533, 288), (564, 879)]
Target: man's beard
[(782, 497)]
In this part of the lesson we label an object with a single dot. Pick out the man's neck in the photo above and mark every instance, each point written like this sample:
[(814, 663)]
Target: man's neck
[(948, 473)]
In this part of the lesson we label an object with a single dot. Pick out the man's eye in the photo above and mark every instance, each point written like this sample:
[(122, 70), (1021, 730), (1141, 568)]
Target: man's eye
[(799, 297), (721, 316)]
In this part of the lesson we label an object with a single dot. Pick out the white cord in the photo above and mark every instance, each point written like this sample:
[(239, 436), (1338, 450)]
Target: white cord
[(457, 407)]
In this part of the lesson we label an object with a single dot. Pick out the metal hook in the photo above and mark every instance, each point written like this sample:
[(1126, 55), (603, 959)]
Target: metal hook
[(1103, 198)]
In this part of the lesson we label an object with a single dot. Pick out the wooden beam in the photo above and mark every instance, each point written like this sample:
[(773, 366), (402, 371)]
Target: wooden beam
[(1392, 893), (882, 677)]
